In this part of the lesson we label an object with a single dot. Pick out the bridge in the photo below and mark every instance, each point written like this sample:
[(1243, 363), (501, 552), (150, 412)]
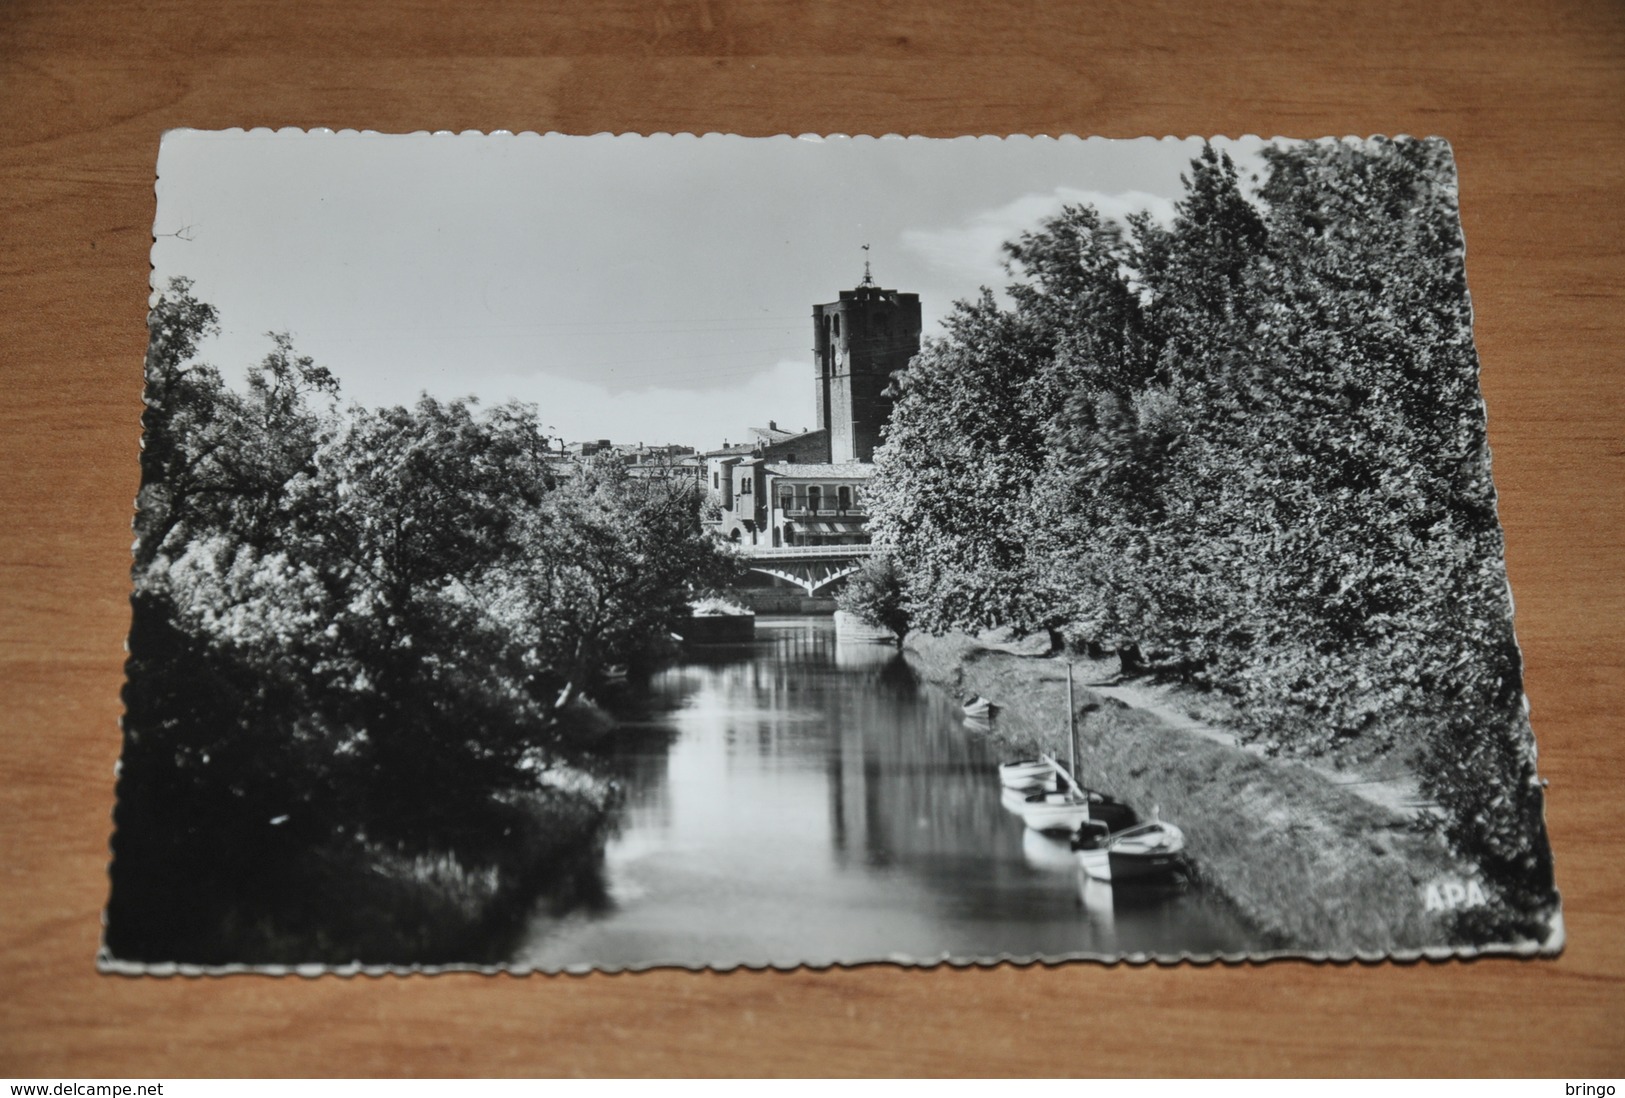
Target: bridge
[(810, 567)]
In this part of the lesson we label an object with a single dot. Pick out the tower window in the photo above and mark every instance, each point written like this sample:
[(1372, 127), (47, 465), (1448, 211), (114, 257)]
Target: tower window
[(837, 328)]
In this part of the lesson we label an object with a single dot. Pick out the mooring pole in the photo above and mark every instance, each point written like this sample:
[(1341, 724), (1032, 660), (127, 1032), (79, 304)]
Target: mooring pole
[(1071, 723)]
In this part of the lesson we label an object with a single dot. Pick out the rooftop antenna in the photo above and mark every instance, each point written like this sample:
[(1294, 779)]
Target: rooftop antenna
[(868, 279)]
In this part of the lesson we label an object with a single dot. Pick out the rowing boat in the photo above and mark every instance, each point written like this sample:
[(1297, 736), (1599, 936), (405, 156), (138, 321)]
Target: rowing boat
[(1026, 773), (978, 706), (1150, 850)]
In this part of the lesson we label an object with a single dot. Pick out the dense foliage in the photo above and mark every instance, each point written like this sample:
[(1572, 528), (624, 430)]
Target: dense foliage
[(1248, 447), (360, 644), (874, 593)]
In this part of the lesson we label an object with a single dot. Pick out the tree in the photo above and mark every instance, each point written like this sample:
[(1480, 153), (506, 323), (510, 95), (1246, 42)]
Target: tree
[(954, 475), (181, 424), (610, 565), (209, 451), (1411, 604), (357, 636), (875, 594), (1250, 444)]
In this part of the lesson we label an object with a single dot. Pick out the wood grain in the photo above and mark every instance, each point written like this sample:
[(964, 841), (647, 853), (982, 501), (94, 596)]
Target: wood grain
[(1531, 94)]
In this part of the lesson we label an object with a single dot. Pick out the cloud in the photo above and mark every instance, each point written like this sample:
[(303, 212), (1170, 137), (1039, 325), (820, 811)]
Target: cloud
[(973, 249), (702, 418)]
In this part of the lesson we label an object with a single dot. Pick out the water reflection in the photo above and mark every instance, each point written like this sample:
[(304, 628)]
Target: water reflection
[(809, 802), (1100, 910)]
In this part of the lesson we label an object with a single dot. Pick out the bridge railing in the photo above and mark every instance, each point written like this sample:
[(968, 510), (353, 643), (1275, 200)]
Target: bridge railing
[(790, 552)]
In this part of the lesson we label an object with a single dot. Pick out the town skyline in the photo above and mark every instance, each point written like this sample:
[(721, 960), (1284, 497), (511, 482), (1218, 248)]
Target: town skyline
[(558, 272)]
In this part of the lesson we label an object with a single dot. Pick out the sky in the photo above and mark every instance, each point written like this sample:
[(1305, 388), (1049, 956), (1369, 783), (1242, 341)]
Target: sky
[(641, 289)]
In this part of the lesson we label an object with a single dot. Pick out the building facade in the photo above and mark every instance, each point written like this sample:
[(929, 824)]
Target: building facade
[(818, 504), (780, 504), (787, 489)]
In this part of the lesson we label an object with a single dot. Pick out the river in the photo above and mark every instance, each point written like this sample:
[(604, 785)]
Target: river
[(803, 800)]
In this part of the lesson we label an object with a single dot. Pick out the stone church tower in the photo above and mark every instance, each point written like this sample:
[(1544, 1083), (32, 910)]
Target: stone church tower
[(859, 341)]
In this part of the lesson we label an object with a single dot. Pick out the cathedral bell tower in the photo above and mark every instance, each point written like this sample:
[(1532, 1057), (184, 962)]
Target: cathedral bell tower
[(859, 342)]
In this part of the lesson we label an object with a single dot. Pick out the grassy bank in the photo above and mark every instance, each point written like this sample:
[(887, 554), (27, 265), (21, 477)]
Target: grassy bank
[(1310, 864)]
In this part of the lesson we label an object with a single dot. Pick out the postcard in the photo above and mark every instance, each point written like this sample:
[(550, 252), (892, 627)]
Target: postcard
[(558, 553)]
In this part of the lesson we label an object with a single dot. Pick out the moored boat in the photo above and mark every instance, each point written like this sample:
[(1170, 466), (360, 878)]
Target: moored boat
[(978, 706), (1026, 773), (1059, 812), (1014, 800), (1148, 851)]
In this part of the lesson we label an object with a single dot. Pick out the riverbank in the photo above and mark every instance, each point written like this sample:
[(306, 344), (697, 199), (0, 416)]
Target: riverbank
[(1310, 863), (234, 896)]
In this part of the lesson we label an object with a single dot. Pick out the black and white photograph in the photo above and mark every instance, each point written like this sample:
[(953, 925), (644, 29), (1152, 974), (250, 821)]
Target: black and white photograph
[(558, 553)]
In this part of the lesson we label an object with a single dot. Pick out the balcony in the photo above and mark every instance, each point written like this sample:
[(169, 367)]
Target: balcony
[(807, 509)]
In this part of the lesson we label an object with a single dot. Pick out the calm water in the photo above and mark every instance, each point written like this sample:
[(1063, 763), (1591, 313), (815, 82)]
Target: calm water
[(809, 803)]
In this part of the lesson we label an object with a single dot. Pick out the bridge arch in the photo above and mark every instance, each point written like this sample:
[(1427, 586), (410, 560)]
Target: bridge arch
[(813, 568), (810, 579)]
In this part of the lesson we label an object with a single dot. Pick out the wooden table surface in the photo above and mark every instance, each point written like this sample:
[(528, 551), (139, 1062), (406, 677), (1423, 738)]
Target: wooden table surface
[(1531, 92)]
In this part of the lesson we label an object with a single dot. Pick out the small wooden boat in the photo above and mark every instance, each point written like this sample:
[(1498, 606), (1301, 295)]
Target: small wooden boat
[(615, 672), (1114, 814), (1026, 773), (1057, 812), (1014, 800), (1149, 851), (978, 706)]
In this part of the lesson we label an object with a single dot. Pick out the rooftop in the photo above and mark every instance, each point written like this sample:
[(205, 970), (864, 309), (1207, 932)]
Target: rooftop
[(774, 433)]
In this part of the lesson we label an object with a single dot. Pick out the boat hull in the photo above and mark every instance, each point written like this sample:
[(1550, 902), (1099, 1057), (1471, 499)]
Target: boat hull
[(1095, 863), (1143, 867), (1026, 773), (1096, 870), (1151, 851), (1064, 817), (1015, 800)]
